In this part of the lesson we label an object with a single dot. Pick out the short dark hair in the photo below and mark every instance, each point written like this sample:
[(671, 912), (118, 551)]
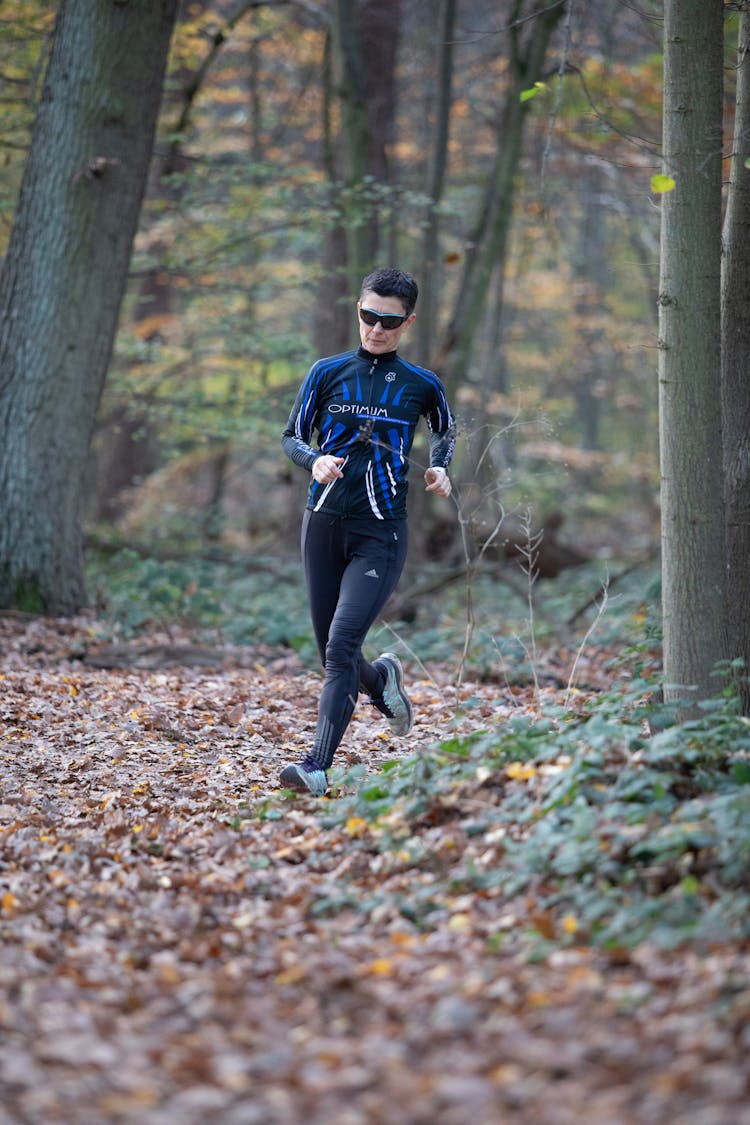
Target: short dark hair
[(393, 283)]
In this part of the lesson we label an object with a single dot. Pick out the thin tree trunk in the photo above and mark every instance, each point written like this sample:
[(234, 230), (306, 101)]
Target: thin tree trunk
[(693, 556), (63, 281), (487, 245), (590, 271), (735, 302), (333, 318), (355, 132), (436, 182)]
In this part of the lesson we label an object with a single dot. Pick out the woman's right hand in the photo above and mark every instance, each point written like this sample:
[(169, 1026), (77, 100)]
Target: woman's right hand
[(326, 468)]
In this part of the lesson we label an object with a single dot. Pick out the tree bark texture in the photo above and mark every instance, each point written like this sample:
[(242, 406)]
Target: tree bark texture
[(693, 555), (735, 302), (63, 281)]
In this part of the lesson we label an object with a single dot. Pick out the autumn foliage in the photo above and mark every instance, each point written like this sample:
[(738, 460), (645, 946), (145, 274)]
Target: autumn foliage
[(182, 940)]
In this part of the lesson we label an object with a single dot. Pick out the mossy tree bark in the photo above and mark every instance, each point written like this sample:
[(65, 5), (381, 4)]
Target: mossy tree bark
[(63, 280)]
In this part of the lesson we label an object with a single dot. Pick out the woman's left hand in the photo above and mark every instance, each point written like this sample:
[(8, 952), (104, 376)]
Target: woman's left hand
[(438, 481)]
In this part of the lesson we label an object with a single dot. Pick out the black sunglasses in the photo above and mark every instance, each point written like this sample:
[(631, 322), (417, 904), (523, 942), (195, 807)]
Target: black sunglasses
[(388, 320)]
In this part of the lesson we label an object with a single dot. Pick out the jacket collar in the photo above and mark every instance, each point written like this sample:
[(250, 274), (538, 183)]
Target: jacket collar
[(364, 354)]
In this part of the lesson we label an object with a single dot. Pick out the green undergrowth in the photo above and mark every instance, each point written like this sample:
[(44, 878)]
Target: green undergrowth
[(618, 821), (252, 600), (242, 602)]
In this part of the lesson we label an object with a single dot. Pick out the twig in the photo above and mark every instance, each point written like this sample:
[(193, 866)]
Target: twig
[(529, 552), (611, 582), (600, 612)]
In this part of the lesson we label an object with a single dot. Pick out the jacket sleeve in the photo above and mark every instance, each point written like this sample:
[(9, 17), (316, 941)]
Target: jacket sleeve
[(442, 426), (296, 438)]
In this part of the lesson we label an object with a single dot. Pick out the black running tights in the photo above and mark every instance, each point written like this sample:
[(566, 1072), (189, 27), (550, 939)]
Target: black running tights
[(351, 567)]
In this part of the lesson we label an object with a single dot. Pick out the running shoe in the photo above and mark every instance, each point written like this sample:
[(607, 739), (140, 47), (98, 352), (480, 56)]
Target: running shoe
[(312, 781), (394, 703)]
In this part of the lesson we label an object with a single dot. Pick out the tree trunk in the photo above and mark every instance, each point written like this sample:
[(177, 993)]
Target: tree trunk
[(429, 276), (693, 555), (332, 327), (126, 445), (735, 302), (591, 271), (487, 245), (365, 39), (355, 135), (425, 515), (63, 280), (379, 24)]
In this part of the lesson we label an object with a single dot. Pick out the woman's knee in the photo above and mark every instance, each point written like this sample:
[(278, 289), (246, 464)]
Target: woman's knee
[(342, 652)]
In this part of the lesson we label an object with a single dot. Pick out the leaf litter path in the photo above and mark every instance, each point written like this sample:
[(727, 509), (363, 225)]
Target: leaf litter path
[(169, 956)]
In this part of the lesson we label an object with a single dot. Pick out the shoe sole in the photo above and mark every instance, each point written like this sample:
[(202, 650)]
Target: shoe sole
[(291, 779), (394, 660)]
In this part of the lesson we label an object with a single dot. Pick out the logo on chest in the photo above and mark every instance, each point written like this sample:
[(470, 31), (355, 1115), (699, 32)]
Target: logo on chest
[(357, 408)]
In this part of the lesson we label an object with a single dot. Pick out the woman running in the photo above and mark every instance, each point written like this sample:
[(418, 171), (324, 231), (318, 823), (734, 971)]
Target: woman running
[(364, 406)]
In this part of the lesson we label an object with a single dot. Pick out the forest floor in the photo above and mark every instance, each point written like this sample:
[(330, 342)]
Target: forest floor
[(182, 942)]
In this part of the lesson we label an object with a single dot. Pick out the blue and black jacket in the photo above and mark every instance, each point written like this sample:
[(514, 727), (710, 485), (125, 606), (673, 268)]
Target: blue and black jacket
[(365, 408)]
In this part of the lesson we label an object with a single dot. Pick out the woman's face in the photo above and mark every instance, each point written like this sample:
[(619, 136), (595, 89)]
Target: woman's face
[(376, 339)]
